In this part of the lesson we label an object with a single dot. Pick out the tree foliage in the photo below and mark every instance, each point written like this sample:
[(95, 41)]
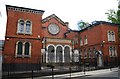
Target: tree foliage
[(112, 16), (81, 25)]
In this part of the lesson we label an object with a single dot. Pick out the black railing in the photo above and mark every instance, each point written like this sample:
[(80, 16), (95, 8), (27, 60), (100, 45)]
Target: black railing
[(32, 67)]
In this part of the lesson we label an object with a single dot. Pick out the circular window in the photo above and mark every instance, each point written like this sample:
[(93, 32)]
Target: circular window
[(53, 29)]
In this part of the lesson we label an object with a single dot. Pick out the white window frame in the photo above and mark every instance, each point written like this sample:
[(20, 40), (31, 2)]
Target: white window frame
[(113, 51), (111, 36), (18, 26), (81, 42), (29, 49), (30, 27), (85, 40), (76, 56), (110, 51), (24, 27), (23, 50)]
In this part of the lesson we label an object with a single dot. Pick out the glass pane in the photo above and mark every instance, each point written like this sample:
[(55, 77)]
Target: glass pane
[(27, 46), (51, 54), (21, 26), (59, 54), (67, 54), (28, 25), (19, 50)]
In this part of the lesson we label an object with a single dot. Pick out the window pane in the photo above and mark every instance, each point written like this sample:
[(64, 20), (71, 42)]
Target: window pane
[(76, 56), (67, 54), (21, 26), (28, 26), (27, 48), (109, 36), (59, 57), (19, 50), (51, 54)]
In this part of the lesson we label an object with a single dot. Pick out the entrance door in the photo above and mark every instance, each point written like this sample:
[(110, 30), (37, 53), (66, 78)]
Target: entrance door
[(99, 59)]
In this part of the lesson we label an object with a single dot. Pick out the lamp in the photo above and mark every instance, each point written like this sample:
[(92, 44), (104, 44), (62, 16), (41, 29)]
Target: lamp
[(102, 44)]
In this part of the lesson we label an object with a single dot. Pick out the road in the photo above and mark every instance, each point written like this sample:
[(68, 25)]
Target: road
[(97, 74), (102, 75)]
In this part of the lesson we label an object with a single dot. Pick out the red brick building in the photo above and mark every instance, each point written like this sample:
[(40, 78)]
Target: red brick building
[(54, 41), (23, 37), (100, 41), (31, 41)]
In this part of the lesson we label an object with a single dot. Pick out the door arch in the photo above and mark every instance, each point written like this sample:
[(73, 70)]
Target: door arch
[(99, 58)]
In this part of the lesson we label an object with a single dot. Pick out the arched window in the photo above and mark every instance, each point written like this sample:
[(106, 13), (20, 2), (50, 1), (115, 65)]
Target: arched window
[(19, 48), (85, 40), (51, 54), (59, 57), (76, 56), (81, 42), (20, 26), (27, 48), (28, 27), (24, 27), (113, 36), (23, 49), (67, 57)]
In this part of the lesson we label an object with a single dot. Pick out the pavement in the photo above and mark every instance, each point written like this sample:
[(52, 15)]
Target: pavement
[(113, 73)]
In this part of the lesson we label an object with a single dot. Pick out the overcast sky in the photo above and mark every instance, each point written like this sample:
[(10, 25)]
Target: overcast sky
[(70, 11)]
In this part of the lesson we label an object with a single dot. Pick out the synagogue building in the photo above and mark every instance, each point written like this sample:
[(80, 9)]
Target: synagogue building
[(34, 42)]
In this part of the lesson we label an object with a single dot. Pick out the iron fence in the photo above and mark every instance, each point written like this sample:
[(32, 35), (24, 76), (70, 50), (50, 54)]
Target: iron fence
[(33, 67)]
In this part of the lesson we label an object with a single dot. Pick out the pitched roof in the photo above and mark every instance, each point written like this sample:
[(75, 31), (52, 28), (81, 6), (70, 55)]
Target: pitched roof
[(54, 16)]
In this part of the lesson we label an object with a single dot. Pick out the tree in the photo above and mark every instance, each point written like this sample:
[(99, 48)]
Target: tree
[(114, 16), (81, 25)]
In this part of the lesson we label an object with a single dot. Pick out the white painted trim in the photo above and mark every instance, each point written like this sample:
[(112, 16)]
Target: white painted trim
[(47, 53), (70, 51), (62, 51), (30, 26)]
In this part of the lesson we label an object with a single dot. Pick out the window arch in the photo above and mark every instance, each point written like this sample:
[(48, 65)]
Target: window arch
[(28, 27), (23, 49), (76, 56), (111, 36), (19, 48), (51, 53), (67, 57), (112, 51), (59, 54), (27, 49), (20, 26), (24, 27)]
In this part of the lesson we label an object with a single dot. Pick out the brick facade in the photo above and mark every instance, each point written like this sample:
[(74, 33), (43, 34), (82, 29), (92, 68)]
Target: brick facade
[(93, 39)]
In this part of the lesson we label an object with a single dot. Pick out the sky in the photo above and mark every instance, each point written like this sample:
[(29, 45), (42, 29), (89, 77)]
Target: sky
[(70, 11)]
